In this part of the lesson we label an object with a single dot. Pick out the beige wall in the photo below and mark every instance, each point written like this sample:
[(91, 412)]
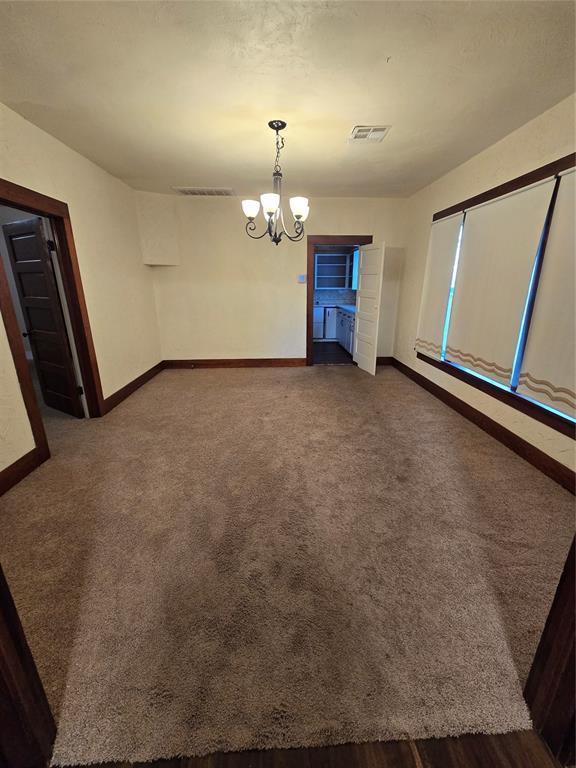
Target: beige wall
[(118, 287), (232, 297), (547, 138)]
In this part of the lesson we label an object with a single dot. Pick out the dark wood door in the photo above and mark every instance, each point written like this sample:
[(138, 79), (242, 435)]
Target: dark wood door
[(36, 284)]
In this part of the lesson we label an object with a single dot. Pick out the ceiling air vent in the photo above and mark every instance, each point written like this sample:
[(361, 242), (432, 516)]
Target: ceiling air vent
[(371, 133), (204, 191)]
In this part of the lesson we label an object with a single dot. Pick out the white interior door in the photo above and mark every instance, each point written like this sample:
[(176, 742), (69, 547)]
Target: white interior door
[(370, 268)]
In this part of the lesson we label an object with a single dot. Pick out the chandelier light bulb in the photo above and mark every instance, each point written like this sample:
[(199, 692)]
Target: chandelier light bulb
[(299, 207), (250, 208), (270, 202)]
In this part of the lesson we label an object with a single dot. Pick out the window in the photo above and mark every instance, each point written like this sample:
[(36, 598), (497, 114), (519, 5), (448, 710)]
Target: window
[(498, 296)]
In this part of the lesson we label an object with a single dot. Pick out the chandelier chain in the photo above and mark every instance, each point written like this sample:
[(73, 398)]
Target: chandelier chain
[(279, 147)]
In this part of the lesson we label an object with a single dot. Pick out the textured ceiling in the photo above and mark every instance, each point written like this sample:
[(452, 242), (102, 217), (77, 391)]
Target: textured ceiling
[(179, 93)]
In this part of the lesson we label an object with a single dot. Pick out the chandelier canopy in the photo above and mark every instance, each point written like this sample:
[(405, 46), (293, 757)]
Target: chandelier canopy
[(272, 203)]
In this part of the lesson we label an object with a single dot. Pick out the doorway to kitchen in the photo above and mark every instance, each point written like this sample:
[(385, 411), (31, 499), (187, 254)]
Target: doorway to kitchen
[(332, 280)]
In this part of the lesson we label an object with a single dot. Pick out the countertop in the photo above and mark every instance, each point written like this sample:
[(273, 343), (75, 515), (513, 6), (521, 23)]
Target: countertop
[(346, 307)]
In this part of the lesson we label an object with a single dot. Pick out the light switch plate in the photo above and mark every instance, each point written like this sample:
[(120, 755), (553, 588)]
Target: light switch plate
[(301, 278)]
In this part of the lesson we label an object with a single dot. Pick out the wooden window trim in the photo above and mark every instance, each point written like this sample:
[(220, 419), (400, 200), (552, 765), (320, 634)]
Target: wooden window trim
[(545, 171), (513, 399)]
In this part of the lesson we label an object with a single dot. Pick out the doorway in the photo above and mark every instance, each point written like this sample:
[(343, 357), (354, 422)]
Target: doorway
[(31, 264), (51, 229), (331, 297)]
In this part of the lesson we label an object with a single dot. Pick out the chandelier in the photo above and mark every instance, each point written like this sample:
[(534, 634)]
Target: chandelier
[(272, 203)]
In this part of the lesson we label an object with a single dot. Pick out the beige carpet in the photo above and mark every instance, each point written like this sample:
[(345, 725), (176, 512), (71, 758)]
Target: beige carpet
[(276, 557)]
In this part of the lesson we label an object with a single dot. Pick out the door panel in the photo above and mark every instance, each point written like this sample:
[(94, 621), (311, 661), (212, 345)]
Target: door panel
[(34, 278), (370, 269)]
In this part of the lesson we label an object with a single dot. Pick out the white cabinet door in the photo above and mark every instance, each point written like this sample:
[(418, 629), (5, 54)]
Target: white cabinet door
[(331, 317), (347, 333), (340, 326), (350, 340), (318, 322), (368, 306)]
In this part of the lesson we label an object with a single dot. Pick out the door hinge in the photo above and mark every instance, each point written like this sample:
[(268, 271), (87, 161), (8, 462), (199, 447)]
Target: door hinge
[(79, 390), (51, 245)]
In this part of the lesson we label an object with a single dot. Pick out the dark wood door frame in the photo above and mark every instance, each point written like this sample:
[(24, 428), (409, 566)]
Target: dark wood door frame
[(313, 241), (27, 728), (550, 690), (57, 212)]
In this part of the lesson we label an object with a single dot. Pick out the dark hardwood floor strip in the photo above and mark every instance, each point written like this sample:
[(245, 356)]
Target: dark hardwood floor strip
[(254, 362), (27, 728), (544, 172), (511, 750), (546, 464), (550, 690), (113, 400), (523, 749), (22, 467), (331, 353)]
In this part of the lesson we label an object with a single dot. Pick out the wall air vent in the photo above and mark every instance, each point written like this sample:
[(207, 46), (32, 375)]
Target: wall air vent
[(368, 133), (204, 191)]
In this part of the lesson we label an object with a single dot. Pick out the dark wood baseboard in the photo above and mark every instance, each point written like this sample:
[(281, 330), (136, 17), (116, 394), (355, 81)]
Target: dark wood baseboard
[(22, 467), (384, 361), (254, 362), (542, 461), (113, 400)]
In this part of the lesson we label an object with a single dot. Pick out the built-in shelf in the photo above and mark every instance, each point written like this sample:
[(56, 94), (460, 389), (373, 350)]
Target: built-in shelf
[(334, 271)]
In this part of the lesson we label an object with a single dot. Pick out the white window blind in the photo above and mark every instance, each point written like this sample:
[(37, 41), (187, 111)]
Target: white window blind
[(439, 266), (548, 369), (499, 244)]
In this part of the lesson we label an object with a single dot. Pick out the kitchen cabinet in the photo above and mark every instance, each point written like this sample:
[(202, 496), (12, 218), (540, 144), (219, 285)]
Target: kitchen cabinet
[(318, 322), (330, 318), (333, 270), (340, 327), (345, 324), (350, 337)]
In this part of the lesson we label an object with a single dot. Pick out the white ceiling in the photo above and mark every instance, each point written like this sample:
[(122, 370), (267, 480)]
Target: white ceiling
[(179, 93)]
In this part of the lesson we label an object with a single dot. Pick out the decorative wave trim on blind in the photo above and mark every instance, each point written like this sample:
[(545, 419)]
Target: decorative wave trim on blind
[(470, 360), (554, 394), (421, 345)]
